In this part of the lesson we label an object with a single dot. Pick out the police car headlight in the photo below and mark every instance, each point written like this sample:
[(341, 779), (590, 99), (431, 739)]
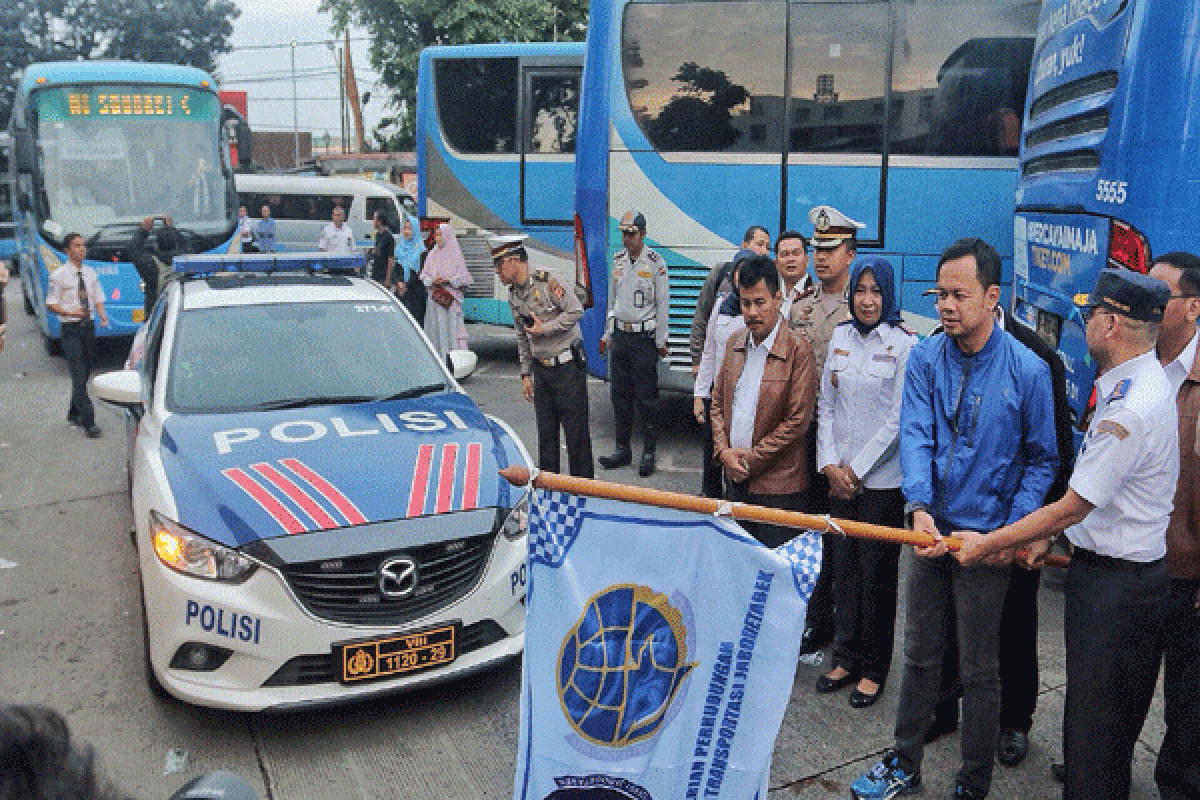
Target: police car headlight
[(516, 519), (191, 554)]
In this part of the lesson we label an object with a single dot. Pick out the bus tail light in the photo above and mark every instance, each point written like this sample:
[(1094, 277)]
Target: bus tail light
[(1128, 248), (583, 278)]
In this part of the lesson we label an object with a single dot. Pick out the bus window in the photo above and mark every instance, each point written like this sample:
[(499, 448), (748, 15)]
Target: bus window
[(960, 96), (706, 76), (387, 206), (839, 69), (311, 207), (477, 103), (554, 113)]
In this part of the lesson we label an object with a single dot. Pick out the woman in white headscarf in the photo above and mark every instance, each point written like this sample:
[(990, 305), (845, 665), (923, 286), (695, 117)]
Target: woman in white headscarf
[(445, 275)]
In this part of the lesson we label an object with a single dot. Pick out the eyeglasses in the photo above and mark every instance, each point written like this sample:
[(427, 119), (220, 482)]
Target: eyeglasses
[(789, 253)]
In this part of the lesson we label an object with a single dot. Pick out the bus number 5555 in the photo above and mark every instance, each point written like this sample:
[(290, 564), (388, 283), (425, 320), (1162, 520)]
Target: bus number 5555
[(1111, 191)]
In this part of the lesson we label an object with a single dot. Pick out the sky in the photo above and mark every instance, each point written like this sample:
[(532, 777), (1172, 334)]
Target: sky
[(261, 65)]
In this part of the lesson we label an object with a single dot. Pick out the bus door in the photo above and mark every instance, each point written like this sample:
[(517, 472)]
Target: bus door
[(549, 116), (837, 112)]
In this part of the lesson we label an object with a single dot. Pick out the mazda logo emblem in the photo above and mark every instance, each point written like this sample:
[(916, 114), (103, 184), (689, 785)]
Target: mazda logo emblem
[(398, 577)]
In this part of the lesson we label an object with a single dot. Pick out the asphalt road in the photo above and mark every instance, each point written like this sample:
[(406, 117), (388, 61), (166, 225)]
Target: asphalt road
[(71, 634)]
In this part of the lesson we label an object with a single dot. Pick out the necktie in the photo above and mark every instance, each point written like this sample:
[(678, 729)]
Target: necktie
[(83, 298)]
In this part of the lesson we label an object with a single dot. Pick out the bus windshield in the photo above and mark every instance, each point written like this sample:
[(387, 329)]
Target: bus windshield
[(111, 155)]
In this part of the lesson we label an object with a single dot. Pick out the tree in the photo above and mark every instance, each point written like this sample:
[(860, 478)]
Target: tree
[(400, 29), (700, 116), (190, 32)]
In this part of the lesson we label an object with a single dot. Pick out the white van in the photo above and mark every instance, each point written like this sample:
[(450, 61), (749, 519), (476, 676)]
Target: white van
[(303, 204)]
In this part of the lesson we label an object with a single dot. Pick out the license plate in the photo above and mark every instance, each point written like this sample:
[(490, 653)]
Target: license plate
[(372, 659)]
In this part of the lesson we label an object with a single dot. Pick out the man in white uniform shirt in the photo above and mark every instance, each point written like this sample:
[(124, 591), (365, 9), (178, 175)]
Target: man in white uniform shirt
[(336, 237), (75, 294), (1116, 513)]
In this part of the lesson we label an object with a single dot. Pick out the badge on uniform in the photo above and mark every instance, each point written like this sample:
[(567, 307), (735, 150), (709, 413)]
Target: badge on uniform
[(1115, 428), (1119, 391)]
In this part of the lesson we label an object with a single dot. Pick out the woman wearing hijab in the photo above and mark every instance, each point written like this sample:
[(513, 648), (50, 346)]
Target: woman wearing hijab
[(445, 275), (725, 320), (409, 248), (858, 419)]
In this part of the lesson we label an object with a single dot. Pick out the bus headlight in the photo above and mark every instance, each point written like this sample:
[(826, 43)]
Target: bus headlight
[(190, 554), (515, 522)]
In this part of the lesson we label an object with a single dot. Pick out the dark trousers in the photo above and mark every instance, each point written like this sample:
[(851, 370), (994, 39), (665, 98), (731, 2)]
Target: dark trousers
[(633, 379), (712, 483), (977, 596), (560, 399), (79, 347), (820, 605), (1114, 614), (769, 535), (1177, 772), (865, 575), (1018, 656)]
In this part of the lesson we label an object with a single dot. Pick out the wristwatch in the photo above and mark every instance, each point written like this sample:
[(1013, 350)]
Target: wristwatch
[(910, 509)]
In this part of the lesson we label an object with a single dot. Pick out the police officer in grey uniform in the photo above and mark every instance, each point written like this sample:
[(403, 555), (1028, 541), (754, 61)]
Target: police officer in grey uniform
[(550, 346), (1115, 513), (636, 333)]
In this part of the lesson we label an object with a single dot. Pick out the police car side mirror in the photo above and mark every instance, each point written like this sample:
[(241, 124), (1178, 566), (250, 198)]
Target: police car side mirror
[(120, 388), (461, 363)]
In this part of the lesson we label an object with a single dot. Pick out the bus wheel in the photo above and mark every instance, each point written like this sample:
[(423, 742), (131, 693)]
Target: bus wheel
[(53, 346)]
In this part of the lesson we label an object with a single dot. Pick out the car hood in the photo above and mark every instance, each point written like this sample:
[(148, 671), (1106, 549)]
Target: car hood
[(238, 478)]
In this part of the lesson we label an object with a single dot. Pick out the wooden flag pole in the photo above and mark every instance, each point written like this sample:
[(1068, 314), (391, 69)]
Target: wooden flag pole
[(519, 476)]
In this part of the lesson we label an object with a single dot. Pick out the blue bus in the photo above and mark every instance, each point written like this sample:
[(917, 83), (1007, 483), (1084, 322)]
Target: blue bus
[(711, 116), (100, 145), (496, 132), (1109, 160)]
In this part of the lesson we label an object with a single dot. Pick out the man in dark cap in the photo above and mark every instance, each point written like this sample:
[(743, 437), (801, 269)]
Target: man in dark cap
[(550, 347), (1115, 513)]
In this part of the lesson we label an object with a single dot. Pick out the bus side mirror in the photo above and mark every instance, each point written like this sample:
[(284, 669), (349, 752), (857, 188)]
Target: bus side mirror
[(24, 150)]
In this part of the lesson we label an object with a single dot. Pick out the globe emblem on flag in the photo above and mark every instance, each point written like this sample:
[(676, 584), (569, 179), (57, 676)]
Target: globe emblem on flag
[(621, 665)]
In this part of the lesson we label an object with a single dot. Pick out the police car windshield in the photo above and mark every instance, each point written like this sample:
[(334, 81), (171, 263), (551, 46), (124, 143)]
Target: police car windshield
[(292, 355)]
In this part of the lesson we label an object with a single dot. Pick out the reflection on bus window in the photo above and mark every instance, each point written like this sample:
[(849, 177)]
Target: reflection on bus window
[(554, 102), (477, 104), (960, 97), (706, 76)]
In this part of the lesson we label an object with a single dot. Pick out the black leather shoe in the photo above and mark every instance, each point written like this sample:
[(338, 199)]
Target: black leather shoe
[(860, 699), (828, 685), (1059, 772), (94, 432), (1013, 747), (621, 458), (646, 466)]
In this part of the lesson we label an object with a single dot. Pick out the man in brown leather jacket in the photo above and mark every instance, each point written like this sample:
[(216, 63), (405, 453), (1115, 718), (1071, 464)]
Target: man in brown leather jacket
[(763, 402)]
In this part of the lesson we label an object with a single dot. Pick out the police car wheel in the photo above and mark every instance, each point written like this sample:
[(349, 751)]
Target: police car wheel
[(156, 688)]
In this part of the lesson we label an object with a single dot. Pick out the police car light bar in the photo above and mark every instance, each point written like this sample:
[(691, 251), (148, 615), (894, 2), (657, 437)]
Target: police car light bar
[(210, 263)]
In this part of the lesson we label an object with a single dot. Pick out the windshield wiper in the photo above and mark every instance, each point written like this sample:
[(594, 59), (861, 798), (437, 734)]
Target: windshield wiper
[(305, 402), (415, 391)]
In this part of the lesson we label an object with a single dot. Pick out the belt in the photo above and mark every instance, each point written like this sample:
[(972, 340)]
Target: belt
[(635, 327), (554, 361), (1092, 558)]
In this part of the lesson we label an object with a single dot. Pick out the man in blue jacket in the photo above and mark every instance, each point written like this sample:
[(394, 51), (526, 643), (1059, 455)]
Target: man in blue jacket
[(977, 450)]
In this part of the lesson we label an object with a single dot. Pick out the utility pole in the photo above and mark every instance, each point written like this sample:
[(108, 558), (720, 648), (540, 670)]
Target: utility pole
[(337, 53), (295, 116)]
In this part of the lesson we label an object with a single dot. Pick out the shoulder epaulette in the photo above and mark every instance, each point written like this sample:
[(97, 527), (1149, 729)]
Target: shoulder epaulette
[(542, 275), (653, 256)]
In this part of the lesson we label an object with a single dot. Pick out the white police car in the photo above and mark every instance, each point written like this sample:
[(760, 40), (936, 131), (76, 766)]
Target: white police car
[(318, 515)]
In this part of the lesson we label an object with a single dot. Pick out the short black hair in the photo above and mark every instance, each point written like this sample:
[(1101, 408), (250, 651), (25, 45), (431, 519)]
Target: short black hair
[(1189, 269), (792, 235), (70, 237), (987, 260), (753, 269), (41, 760), (749, 234)]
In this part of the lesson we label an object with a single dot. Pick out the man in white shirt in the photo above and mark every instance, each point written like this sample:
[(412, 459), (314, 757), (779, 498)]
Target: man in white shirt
[(75, 294), (763, 403), (791, 257), (336, 237), (246, 228)]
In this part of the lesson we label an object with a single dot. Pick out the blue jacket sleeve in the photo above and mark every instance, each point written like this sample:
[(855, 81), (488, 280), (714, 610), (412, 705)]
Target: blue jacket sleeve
[(917, 429), (1039, 441)]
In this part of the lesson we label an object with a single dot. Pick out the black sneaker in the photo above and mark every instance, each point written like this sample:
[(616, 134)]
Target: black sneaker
[(964, 792), (621, 458), (74, 421), (94, 432), (1012, 748)]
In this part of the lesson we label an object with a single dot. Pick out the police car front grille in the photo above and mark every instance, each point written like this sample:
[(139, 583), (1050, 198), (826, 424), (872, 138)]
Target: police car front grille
[(347, 590), (320, 668)]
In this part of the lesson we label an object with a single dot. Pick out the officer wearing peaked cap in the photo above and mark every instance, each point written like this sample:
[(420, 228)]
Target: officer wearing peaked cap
[(815, 316), (635, 336), (550, 347), (1115, 513)]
